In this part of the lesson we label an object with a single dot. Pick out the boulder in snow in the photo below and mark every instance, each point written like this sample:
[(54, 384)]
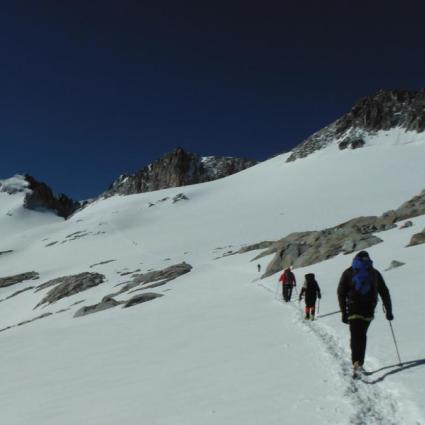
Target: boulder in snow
[(17, 278), (69, 285)]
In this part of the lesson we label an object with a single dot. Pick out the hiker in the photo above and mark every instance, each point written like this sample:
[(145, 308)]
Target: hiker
[(358, 291), (288, 282), (311, 292), (259, 268)]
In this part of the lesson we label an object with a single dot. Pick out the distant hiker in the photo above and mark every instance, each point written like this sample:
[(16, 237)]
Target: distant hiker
[(311, 292), (358, 291), (288, 282), (259, 268)]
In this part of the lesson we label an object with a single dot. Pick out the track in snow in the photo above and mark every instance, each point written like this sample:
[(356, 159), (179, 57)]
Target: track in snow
[(373, 404)]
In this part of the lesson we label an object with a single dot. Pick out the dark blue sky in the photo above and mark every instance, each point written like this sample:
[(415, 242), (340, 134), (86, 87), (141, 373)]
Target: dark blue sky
[(95, 88)]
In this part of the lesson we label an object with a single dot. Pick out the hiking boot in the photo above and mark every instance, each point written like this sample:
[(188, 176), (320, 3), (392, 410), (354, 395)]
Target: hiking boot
[(357, 367), (307, 316)]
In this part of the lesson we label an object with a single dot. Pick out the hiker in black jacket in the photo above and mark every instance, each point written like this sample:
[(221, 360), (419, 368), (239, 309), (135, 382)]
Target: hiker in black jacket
[(358, 291), (311, 291)]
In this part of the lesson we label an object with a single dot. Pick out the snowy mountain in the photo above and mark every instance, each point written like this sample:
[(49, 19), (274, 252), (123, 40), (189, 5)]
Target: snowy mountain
[(369, 119), (39, 196), (177, 168), (150, 309)]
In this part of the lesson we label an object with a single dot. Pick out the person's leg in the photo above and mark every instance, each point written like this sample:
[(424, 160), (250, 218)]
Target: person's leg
[(286, 289), (358, 331), (289, 292)]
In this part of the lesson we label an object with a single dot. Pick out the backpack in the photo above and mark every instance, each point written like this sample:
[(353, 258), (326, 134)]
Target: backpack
[(362, 277), (289, 276)]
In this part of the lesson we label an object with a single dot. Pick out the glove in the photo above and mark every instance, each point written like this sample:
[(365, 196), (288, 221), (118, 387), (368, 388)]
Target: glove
[(389, 315), (344, 318), (320, 297)]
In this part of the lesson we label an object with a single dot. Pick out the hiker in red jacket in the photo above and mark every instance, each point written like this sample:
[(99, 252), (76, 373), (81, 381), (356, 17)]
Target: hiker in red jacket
[(288, 282)]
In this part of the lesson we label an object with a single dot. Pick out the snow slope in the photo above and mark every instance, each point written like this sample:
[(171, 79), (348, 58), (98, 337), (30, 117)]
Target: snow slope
[(217, 348)]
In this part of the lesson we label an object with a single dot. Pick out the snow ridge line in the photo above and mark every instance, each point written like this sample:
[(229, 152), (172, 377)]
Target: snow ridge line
[(372, 405)]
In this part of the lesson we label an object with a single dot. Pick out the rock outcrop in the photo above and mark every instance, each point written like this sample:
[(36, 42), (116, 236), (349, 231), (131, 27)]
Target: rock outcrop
[(106, 303), (306, 248), (155, 278), (17, 278), (394, 264), (69, 285), (41, 197), (384, 110), (178, 168), (141, 298), (417, 238)]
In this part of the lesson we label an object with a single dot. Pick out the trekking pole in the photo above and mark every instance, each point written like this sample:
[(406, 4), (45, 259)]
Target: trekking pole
[(395, 343), (394, 338), (318, 307)]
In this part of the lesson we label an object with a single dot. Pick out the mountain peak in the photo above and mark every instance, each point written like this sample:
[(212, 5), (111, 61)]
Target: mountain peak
[(38, 195), (177, 168), (385, 110)]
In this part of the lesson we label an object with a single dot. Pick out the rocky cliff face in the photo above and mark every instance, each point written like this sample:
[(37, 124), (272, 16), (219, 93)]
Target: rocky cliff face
[(40, 196), (385, 110), (178, 168)]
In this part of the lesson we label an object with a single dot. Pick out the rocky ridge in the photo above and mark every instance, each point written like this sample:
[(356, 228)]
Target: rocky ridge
[(39, 196), (303, 249), (384, 110), (175, 169)]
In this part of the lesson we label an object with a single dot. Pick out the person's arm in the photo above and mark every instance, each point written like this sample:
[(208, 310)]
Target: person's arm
[(384, 293), (319, 294), (342, 293)]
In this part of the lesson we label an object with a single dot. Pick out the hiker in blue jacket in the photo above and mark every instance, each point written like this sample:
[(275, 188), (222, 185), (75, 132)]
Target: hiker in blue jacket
[(358, 291)]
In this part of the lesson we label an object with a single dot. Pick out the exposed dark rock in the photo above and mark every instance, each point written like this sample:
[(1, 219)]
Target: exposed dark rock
[(17, 293), (351, 143), (41, 197), (406, 224), (18, 278), (256, 246), (178, 168), (412, 208), (384, 110), (305, 248), (69, 285), (302, 249), (26, 322), (6, 252), (180, 197), (155, 278), (394, 264), (106, 303), (141, 298), (42, 316), (102, 263), (417, 239)]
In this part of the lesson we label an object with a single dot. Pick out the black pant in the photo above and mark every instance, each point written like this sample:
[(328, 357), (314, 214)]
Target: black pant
[(358, 331), (287, 292)]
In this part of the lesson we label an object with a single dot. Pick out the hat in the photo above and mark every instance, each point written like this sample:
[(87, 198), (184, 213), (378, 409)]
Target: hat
[(363, 255)]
